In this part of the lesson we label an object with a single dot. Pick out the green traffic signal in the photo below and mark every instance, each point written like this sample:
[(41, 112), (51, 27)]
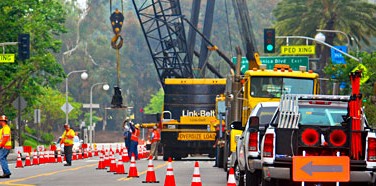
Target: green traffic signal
[(269, 47), (269, 40)]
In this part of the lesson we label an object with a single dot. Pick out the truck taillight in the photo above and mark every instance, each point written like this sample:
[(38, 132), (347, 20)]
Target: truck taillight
[(268, 146), (252, 141), (371, 150)]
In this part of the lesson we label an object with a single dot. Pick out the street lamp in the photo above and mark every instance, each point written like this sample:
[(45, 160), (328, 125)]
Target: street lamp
[(105, 87), (336, 31), (84, 76)]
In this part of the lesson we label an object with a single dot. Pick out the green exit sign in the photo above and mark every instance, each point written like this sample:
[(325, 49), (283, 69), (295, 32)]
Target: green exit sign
[(293, 61)]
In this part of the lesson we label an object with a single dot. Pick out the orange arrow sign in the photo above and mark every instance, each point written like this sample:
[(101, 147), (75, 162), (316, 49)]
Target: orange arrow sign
[(321, 168)]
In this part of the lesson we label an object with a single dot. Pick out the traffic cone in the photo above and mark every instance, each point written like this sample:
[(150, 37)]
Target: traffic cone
[(196, 178), (150, 174), (19, 161), (59, 158), (79, 155), (112, 165), (41, 157), (74, 156), (101, 163), (96, 153), (27, 160), (132, 168), (106, 160), (231, 178), (35, 159), (120, 167), (125, 157), (170, 179), (86, 154), (52, 157)]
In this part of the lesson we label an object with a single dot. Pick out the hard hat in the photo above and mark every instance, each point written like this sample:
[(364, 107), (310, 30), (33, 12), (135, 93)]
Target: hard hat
[(3, 118), (154, 127), (137, 125)]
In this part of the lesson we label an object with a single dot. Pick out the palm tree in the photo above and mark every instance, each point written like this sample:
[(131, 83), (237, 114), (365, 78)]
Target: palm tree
[(302, 18)]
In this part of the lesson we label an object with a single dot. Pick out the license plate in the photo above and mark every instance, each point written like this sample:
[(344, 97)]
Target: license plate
[(196, 136)]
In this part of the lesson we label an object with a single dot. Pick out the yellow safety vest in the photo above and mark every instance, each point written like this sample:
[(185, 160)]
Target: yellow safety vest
[(5, 131), (67, 137)]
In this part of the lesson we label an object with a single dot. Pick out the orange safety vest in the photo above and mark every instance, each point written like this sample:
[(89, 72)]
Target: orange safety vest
[(6, 139), (67, 137), (135, 135), (156, 137)]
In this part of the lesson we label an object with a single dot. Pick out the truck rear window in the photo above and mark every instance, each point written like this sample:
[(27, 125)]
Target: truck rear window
[(321, 115)]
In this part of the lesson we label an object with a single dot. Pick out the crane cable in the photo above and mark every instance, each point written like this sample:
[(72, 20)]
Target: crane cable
[(117, 20), (228, 28)]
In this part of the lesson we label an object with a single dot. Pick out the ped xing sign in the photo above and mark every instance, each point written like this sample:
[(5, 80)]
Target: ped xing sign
[(7, 58), (298, 50), (321, 168)]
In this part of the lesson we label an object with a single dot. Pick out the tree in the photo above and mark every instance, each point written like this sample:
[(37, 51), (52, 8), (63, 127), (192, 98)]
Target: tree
[(340, 72), (156, 103), (302, 18), (43, 20)]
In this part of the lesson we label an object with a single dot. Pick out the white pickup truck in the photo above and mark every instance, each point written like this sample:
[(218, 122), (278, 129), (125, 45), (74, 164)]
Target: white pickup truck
[(312, 139), (247, 146)]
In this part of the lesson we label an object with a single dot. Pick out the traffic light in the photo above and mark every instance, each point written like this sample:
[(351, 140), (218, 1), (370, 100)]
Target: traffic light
[(23, 46), (269, 40)]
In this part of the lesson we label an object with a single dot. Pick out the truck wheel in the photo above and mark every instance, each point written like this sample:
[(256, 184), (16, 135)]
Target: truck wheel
[(253, 179)]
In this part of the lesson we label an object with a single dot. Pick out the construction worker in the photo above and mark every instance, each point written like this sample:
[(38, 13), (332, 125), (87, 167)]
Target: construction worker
[(134, 141), (128, 129), (155, 140), (67, 139), (5, 146)]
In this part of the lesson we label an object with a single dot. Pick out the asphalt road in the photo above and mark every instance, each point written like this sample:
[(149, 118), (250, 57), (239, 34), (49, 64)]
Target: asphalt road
[(83, 172)]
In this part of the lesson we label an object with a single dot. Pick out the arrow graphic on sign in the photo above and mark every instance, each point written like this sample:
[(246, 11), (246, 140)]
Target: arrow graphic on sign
[(309, 168)]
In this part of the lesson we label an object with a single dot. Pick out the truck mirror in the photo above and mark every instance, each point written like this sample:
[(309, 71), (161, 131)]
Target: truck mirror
[(236, 125), (254, 123)]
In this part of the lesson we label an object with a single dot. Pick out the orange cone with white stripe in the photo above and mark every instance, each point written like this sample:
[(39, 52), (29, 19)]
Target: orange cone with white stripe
[(113, 164), (19, 161), (35, 159), (27, 160), (150, 174), (170, 179), (120, 168), (124, 156), (196, 178), (231, 178), (132, 168), (59, 158), (101, 163)]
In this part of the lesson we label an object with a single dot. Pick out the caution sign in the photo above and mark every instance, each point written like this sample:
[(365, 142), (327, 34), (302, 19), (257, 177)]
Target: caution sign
[(6, 58), (298, 50), (365, 74), (321, 168), (190, 136)]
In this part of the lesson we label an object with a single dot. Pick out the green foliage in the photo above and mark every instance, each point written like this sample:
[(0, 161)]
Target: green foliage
[(43, 20), (302, 18), (30, 130), (30, 142), (48, 138), (341, 73), (156, 103)]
